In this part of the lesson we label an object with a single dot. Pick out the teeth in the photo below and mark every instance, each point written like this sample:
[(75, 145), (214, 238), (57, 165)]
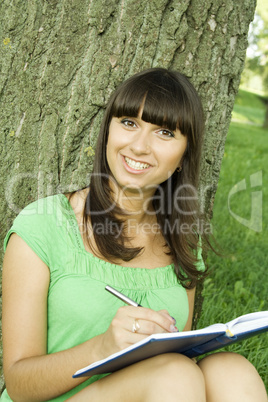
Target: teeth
[(136, 165)]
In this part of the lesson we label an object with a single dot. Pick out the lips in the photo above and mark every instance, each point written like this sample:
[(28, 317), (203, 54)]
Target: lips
[(135, 167), (135, 164)]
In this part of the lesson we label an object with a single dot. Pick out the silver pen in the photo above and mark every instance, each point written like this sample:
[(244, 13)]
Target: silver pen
[(122, 297)]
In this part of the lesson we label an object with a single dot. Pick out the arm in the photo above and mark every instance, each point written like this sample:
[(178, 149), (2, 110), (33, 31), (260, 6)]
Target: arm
[(25, 286), (28, 368), (191, 297)]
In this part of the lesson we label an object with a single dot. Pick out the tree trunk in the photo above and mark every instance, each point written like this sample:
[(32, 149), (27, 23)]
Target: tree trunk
[(60, 61)]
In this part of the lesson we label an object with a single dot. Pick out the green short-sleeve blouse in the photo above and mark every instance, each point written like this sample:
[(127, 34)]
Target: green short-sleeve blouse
[(79, 308)]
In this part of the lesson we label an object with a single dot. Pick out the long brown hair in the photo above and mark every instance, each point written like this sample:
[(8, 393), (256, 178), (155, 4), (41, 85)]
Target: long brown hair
[(169, 100)]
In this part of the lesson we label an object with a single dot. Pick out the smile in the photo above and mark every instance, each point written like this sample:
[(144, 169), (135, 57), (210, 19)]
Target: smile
[(136, 165)]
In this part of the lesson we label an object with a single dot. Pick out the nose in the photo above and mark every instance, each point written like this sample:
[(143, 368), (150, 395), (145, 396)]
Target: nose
[(141, 143)]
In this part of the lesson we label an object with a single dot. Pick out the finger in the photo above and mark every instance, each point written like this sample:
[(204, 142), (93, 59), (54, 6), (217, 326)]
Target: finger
[(148, 328), (162, 319), (166, 313), (152, 321)]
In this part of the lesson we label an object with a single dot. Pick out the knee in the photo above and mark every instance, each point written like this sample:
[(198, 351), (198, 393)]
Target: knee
[(229, 362), (226, 371), (172, 363), (178, 373)]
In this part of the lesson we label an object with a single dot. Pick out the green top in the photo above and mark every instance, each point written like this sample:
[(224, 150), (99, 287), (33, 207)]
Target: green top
[(79, 308)]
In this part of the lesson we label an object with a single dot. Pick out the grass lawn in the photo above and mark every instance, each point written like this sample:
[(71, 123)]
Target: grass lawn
[(238, 281)]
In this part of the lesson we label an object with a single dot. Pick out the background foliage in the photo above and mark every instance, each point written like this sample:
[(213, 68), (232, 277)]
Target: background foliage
[(238, 281)]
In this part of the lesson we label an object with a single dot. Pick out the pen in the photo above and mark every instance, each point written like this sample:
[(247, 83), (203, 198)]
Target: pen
[(127, 300), (122, 297)]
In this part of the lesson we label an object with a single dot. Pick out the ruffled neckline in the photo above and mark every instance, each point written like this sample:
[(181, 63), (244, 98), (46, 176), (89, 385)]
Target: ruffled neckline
[(95, 259)]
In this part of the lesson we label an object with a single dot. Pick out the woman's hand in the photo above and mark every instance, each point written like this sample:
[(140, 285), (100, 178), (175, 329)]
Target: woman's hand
[(132, 324)]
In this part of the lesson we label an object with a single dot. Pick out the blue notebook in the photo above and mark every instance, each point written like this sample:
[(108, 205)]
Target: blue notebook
[(190, 343)]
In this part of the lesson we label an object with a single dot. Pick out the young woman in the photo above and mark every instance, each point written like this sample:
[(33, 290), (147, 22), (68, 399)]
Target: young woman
[(136, 228)]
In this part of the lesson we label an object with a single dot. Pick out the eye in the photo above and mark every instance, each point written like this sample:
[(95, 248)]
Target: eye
[(164, 132), (128, 123)]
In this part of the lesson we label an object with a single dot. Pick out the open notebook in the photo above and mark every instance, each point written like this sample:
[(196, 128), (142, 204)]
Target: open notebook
[(190, 343)]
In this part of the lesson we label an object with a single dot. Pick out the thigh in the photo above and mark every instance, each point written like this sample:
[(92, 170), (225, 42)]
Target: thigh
[(230, 375), (167, 377)]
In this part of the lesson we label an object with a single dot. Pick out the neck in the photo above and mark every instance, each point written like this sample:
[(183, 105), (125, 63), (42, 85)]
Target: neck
[(136, 203)]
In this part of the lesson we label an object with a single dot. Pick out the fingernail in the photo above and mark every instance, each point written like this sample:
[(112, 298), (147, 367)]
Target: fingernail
[(174, 320), (173, 328)]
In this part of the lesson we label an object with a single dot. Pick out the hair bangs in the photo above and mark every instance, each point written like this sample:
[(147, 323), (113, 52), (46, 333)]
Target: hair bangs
[(163, 101), (163, 109), (128, 101)]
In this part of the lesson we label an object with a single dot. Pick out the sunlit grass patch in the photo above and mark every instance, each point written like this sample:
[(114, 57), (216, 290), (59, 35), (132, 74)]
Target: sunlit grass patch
[(248, 108), (238, 281)]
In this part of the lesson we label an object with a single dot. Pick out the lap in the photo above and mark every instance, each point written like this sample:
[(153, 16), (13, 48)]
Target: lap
[(174, 377), (149, 380)]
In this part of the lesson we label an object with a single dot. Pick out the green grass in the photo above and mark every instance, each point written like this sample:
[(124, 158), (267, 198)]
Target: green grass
[(238, 281), (248, 108)]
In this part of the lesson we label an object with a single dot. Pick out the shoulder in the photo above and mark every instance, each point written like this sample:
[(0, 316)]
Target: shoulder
[(41, 211), (43, 205), (40, 222)]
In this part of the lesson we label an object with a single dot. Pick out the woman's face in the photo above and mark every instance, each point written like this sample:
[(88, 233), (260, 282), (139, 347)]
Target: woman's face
[(142, 155)]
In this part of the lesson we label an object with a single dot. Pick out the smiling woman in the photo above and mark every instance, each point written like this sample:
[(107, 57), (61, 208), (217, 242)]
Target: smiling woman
[(154, 118), (136, 227)]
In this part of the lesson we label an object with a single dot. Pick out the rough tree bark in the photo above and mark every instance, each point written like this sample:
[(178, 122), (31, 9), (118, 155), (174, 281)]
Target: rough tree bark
[(60, 60)]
